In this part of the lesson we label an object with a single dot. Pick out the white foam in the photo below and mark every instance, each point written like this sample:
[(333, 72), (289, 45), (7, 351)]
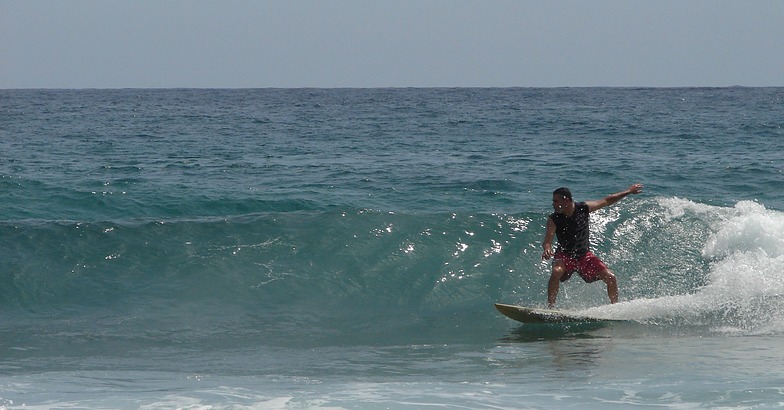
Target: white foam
[(751, 228), (743, 291)]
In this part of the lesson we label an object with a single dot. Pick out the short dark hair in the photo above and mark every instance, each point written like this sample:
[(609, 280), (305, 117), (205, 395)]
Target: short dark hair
[(563, 192)]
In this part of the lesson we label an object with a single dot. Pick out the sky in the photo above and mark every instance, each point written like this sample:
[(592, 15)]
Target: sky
[(390, 43)]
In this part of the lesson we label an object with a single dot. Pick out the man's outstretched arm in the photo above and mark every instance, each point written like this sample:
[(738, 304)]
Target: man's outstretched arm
[(611, 199)]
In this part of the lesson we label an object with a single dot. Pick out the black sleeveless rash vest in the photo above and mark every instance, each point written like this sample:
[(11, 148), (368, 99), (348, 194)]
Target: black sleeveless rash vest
[(573, 231)]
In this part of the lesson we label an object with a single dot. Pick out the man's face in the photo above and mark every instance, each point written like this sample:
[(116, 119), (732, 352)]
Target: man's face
[(560, 203)]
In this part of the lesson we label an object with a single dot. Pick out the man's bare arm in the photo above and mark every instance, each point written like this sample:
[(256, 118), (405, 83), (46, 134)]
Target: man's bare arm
[(611, 199), (547, 244)]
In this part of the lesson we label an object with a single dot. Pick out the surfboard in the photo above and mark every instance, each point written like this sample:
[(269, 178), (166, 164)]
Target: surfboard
[(536, 315)]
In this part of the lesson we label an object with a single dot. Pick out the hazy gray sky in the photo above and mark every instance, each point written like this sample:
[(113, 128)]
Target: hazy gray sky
[(390, 43)]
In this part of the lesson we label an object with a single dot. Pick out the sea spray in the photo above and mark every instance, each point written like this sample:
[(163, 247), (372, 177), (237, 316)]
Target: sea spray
[(742, 290)]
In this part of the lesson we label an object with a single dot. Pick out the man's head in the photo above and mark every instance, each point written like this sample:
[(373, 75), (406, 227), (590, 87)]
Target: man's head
[(562, 199)]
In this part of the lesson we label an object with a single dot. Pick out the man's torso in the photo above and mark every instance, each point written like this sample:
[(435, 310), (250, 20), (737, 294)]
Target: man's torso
[(573, 232)]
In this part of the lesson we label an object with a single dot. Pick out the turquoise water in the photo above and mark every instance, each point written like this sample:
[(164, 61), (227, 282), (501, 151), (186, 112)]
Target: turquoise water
[(309, 248)]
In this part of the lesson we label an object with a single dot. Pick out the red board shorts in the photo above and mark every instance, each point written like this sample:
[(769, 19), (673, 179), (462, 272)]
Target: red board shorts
[(587, 266)]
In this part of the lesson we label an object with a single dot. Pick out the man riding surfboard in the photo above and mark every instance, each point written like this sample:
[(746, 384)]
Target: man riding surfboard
[(570, 224)]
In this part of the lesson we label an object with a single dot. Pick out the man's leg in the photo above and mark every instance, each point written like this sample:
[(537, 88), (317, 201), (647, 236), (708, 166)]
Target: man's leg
[(555, 281), (608, 277)]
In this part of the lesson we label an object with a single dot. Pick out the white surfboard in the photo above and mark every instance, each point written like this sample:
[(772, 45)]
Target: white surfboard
[(536, 315)]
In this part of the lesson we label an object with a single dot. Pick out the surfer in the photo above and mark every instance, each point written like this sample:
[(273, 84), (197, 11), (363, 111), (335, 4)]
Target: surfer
[(570, 224)]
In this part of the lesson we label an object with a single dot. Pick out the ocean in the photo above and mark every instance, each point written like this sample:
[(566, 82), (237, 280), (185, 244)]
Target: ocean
[(343, 248)]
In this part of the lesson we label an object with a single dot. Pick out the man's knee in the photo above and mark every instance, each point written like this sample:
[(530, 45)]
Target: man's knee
[(558, 270)]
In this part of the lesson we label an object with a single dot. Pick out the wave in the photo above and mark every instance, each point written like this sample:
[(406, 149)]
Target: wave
[(272, 257), (676, 260), (741, 290), (119, 200)]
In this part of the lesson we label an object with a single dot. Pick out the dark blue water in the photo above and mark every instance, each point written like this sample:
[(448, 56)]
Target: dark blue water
[(310, 248)]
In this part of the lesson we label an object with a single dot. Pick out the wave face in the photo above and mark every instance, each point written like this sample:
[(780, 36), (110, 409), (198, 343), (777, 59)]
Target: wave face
[(676, 260)]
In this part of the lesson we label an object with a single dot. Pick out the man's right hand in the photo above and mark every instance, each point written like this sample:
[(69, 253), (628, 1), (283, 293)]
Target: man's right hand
[(548, 252)]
